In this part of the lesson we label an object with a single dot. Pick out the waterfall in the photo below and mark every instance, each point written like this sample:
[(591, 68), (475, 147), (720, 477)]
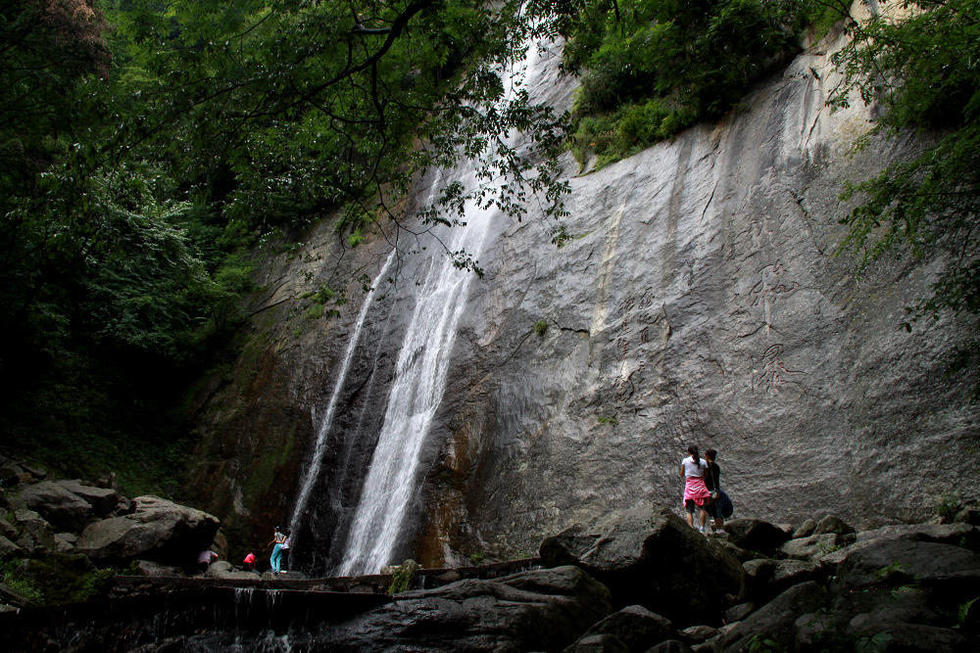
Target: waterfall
[(416, 392), (312, 472)]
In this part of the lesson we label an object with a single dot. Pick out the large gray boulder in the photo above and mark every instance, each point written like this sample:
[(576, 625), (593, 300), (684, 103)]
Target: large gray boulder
[(755, 534), (815, 546), (775, 620), (634, 627), (34, 532), (159, 530), (918, 561), (103, 500), (8, 548), (545, 609), (766, 578), (64, 509), (655, 560)]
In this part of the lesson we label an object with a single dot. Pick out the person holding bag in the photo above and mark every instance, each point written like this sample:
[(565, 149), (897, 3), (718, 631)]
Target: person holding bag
[(720, 505)]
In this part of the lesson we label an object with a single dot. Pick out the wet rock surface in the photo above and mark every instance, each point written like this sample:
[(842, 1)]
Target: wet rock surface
[(897, 588)]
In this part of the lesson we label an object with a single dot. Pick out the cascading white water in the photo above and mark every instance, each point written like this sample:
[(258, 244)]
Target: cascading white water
[(420, 380), (312, 472)]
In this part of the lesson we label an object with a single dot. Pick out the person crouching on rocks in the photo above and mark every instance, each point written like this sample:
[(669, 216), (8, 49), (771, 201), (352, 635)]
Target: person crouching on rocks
[(696, 495), (249, 561)]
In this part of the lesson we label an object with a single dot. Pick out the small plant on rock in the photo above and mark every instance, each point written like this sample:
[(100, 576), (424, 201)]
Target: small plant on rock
[(948, 505), (402, 577)]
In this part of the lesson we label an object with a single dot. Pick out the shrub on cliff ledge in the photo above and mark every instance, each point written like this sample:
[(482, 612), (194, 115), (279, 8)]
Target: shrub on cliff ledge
[(651, 68)]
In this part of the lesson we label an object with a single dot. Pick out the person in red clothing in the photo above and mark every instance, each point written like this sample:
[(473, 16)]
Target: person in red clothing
[(249, 561), (696, 494)]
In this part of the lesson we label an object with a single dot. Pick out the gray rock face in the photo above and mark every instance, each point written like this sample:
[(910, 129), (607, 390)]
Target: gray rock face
[(697, 299), (159, 530)]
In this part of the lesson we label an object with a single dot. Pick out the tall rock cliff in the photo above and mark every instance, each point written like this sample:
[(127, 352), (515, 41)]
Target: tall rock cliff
[(697, 300)]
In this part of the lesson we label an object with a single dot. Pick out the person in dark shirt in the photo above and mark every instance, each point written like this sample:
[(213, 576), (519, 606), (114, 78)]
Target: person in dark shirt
[(712, 480)]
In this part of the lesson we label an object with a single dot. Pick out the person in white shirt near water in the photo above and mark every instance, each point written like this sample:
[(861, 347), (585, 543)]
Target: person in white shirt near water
[(696, 494)]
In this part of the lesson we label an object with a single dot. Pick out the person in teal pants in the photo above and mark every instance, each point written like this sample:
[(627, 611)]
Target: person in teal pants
[(275, 560)]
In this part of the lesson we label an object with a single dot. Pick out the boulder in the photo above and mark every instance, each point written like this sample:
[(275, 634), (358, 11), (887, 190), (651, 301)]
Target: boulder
[(7, 529), (62, 508), (102, 500), (805, 529), (739, 612), (765, 578), (545, 609), (598, 643), (9, 473), (919, 561), (968, 516), (775, 620), (699, 633), (65, 542), (634, 626), (657, 561), (832, 524), (224, 569), (150, 568), (755, 534), (670, 646), (34, 531), (911, 637), (815, 546), (963, 535), (159, 530), (8, 548)]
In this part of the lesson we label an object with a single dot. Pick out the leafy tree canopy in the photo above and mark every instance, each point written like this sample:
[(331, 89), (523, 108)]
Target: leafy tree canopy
[(147, 144)]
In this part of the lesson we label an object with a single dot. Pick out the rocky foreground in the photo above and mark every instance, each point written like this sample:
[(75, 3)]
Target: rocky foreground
[(641, 581)]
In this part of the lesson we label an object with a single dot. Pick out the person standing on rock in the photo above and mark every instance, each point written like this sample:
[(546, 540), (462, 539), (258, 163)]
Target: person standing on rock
[(712, 480), (275, 560), (696, 495), (285, 550)]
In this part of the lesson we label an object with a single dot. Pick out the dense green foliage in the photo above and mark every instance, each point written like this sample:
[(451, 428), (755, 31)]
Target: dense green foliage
[(651, 68), (148, 146), (923, 70)]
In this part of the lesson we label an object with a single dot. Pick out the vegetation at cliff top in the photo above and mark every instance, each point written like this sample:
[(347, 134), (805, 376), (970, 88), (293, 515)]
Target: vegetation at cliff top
[(651, 68)]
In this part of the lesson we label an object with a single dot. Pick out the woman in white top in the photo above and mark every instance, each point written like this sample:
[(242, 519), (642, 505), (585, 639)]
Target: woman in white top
[(696, 494)]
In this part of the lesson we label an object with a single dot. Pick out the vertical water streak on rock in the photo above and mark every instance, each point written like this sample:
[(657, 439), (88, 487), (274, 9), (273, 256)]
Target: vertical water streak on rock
[(313, 470), (607, 268), (416, 392)]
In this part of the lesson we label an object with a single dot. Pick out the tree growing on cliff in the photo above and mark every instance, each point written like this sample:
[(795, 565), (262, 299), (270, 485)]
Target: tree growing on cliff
[(146, 145), (921, 67)]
